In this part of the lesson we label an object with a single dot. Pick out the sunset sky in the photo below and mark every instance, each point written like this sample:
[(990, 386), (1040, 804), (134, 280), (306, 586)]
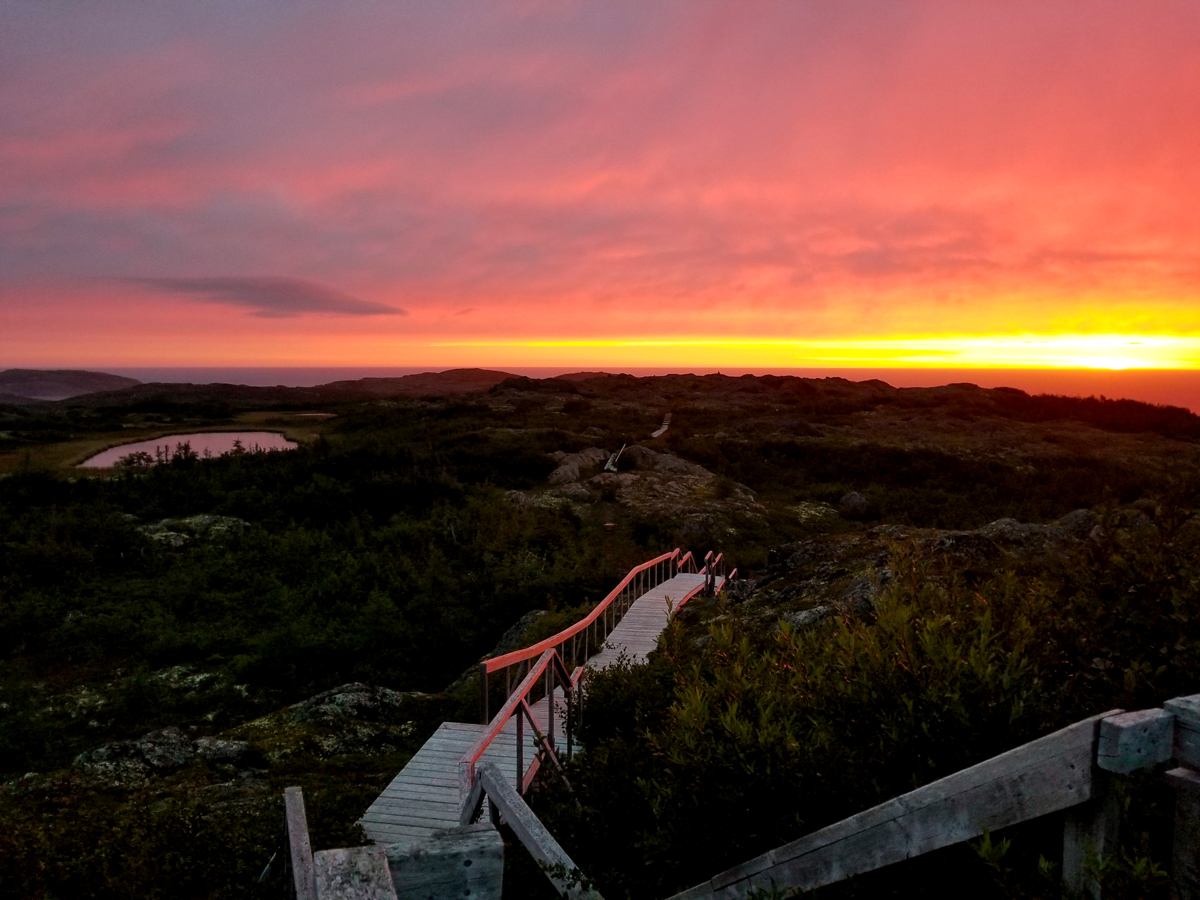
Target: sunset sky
[(943, 183)]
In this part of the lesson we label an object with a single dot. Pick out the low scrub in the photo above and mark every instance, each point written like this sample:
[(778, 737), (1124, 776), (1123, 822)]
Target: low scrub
[(733, 742)]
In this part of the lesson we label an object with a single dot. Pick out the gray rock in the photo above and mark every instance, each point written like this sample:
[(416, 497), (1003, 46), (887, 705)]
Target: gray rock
[(170, 538), (1010, 531), (217, 750), (1078, 523), (158, 751), (806, 618), (854, 506), (645, 459), (214, 526), (166, 749), (176, 532), (578, 465), (519, 499), (352, 701), (859, 597), (576, 492), (615, 480)]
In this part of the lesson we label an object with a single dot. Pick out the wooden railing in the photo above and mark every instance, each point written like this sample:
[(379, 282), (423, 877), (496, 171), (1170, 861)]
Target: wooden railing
[(714, 568), (1069, 771), (576, 643), (551, 668), (505, 801)]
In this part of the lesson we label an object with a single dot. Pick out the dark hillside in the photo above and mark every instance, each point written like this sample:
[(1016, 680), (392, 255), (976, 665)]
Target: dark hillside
[(57, 384)]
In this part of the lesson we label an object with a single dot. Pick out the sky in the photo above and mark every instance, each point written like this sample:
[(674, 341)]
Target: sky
[(761, 184)]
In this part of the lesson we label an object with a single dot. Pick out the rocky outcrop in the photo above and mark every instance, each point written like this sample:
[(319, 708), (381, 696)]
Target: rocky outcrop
[(575, 466), (158, 752), (177, 532)]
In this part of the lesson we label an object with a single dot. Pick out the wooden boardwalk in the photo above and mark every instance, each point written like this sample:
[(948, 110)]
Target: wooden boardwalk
[(637, 632), (426, 796)]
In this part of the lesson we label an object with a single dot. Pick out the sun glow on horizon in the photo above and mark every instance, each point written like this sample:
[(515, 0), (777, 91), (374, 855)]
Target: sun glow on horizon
[(1064, 351)]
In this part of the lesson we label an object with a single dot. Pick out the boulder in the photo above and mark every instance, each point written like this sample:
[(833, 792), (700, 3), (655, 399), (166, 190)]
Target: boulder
[(576, 492), (859, 597), (354, 700), (854, 506), (216, 750), (1078, 523), (158, 751), (578, 465)]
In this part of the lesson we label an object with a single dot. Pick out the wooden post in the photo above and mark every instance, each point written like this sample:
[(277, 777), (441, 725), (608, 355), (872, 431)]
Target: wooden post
[(1187, 729), (550, 703), (570, 692), (1185, 855), (520, 750), (483, 694), (1090, 832), (304, 880), (533, 835)]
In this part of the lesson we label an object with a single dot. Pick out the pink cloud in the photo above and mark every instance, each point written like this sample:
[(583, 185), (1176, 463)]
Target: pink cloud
[(765, 168)]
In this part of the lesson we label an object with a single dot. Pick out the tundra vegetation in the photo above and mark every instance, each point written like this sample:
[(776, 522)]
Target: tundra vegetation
[(179, 641)]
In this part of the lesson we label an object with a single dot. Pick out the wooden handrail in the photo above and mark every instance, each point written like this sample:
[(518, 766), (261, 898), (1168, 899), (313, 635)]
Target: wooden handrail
[(516, 656), (1065, 770), (553, 860), (517, 704), (588, 632)]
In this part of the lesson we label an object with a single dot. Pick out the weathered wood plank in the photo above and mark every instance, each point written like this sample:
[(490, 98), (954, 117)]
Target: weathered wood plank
[(299, 848), (1090, 836), (353, 873), (455, 862), (1044, 776), (1187, 729), (1185, 854), (562, 872), (1135, 740)]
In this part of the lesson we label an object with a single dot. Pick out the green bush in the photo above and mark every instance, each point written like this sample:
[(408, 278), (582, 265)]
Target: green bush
[(723, 748)]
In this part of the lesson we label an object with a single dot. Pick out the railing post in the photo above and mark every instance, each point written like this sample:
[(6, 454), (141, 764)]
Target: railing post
[(570, 693), (1185, 852), (483, 693), (520, 750), (1089, 830), (550, 704), (300, 857)]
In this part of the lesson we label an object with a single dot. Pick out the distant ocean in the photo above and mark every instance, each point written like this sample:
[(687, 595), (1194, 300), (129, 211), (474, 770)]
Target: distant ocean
[(1173, 387)]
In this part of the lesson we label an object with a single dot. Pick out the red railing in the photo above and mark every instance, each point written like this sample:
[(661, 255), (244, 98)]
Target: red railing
[(577, 642), (551, 661), (550, 665)]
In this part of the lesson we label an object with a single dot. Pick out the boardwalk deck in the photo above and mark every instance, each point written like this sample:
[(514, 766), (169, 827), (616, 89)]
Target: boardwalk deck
[(425, 796)]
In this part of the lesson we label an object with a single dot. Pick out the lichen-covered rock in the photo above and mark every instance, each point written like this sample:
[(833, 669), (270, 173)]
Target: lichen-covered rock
[(354, 701), (216, 750), (578, 465), (176, 532), (1079, 523), (156, 752), (575, 492)]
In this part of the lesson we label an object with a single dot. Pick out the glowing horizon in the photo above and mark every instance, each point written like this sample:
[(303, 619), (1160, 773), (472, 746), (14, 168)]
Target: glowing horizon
[(1111, 352)]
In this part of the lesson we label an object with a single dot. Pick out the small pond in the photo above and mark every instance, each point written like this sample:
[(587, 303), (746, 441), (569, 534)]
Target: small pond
[(211, 443)]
